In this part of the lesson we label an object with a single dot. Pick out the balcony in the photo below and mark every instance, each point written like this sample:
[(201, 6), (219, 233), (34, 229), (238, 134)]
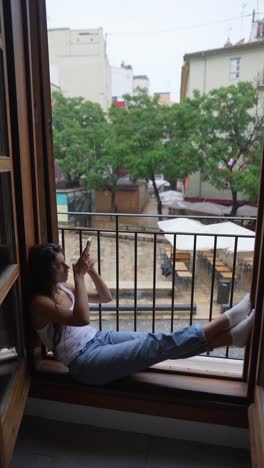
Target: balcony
[(159, 286)]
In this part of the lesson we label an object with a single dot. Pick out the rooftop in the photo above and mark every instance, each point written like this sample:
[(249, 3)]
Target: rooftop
[(225, 50), (141, 77)]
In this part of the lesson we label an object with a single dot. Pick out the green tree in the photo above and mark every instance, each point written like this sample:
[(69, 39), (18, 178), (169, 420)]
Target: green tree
[(106, 168), (87, 144), (227, 139), (79, 133), (160, 139), (181, 159), (141, 131)]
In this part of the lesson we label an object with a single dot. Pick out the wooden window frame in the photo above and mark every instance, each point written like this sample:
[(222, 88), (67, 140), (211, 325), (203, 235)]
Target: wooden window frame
[(145, 388), (13, 400), (256, 357)]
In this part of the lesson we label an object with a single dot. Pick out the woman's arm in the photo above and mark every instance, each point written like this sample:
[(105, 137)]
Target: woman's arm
[(44, 309), (103, 293), (81, 311)]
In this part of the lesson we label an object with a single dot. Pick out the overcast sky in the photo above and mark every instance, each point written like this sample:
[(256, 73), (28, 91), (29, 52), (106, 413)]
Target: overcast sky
[(154, 35)]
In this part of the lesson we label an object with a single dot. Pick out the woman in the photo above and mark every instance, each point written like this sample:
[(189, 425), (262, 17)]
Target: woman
[(60, 315)]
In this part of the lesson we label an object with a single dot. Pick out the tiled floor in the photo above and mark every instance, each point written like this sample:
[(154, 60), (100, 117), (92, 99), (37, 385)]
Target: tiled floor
[(44, 443)]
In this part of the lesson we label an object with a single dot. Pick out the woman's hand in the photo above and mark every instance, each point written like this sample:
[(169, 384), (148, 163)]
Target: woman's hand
[(90, 263), (81, 266)]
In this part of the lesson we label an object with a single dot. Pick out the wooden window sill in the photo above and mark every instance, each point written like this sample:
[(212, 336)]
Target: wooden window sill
[(203, 365), (197, 398)]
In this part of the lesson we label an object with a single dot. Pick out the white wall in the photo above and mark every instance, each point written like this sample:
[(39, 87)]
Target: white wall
[(213, 71), (82, 64), (140, 83), (122, 81), (144, 424)]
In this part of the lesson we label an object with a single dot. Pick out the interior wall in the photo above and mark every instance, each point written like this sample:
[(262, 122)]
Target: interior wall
[(144, 424)]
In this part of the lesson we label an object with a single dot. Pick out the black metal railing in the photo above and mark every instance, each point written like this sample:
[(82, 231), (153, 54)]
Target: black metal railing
[(126, 309)]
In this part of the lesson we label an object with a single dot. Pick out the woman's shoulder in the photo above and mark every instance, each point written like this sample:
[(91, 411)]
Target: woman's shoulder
[(40, 299), (39, 308), (69, 286)]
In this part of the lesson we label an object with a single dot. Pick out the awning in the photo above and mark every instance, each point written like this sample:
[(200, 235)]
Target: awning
[(186, 228)]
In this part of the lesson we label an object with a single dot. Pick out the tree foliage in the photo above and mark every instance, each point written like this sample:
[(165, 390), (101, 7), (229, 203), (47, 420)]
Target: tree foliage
[(140, 132), (227, 139), (216, 133), (86, 144), (181, 122), (79, 132), (158, 139), (105, 173)]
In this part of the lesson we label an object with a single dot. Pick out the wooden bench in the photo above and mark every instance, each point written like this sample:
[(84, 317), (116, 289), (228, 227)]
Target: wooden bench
[(222, 269), (217, 262), (184, 274), (180, 256), (183, 256), (184, 277), (226, 275), (180, 266)]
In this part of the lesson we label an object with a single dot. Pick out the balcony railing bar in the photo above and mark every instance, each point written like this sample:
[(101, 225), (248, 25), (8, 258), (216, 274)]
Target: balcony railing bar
[(154, 281), (135, 282), (232, 282), (212, 282), (80, 242), (233, 271), (117, 272), (193, 276), (99, 271), (63, 238), (166, 216), (143, 307), (160, 234), (173, 280)]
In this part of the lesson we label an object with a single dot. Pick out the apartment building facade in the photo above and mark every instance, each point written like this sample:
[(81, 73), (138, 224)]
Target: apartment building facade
[(122, 81), (82, 64), (215, 68), (140, 82), (125, 82)]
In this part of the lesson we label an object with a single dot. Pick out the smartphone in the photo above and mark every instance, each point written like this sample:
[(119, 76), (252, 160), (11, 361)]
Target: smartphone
[(89, 241)]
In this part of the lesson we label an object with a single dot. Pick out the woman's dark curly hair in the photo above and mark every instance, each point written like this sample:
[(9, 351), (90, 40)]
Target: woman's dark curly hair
[(41, 264)]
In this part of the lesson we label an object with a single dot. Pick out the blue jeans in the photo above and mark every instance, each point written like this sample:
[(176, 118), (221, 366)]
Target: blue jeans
[(112, 355)]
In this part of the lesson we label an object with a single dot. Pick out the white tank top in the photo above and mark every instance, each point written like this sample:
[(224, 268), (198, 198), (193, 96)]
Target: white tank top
[(73, 339)]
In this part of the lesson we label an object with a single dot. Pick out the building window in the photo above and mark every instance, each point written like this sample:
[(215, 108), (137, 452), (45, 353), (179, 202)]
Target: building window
[(234, 68)]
